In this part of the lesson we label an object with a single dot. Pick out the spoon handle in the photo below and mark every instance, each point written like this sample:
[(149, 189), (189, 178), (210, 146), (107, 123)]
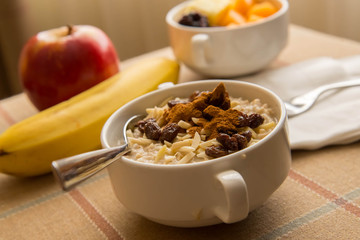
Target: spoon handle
[(73, 170), (310, 97)]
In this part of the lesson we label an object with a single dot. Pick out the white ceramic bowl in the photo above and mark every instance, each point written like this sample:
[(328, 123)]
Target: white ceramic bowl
[(225, 189), (228, 51)]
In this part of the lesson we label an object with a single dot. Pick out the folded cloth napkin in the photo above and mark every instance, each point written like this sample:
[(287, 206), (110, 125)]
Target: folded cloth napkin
[(335, 117)]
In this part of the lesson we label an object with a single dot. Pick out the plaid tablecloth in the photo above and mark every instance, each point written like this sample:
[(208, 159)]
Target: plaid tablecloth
[(320, 199)]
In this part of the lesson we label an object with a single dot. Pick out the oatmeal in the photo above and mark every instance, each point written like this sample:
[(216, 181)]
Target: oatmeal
[(204, 126)]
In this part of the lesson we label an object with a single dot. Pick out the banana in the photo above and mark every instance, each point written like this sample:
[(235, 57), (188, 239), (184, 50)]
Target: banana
[(73, 126)]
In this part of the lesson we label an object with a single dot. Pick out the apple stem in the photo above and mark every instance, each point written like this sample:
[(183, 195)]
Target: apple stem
[(70, 29)]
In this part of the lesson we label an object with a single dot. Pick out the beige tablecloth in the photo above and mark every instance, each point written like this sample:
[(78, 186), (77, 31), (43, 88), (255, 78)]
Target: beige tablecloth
[(320, 199)]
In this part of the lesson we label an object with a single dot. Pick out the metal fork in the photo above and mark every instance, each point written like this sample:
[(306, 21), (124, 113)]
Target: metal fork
[(304, 102)]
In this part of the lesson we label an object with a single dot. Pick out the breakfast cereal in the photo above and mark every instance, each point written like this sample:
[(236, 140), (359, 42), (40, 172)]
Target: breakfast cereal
[(204, 126)]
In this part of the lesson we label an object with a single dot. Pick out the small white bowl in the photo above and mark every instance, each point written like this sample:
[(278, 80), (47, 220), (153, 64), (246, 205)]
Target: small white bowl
[(224, 52), (225, 189)]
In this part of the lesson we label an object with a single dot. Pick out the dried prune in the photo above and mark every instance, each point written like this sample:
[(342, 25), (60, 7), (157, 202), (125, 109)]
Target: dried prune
[(152, 130), (255, 120), (229, 143), (194, 20), (169, 132), (216, 151)]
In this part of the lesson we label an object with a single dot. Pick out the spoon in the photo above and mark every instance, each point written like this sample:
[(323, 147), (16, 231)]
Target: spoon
[(73, 170), (302, 103)]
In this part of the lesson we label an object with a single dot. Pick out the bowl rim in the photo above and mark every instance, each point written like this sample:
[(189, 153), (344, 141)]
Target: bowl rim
[(280, 124), (176, 9)]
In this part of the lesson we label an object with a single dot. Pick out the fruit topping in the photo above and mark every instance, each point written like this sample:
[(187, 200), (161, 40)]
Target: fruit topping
[(194, 20), (215, 13)]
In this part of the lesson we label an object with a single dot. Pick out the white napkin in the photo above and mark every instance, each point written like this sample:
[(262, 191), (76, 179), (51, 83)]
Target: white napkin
[(335, 117)]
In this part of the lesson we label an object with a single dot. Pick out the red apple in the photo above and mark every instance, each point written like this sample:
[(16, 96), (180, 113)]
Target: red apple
[(57, 64)]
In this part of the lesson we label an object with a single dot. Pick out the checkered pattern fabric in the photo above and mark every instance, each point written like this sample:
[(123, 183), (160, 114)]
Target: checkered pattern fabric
[(320, 199)]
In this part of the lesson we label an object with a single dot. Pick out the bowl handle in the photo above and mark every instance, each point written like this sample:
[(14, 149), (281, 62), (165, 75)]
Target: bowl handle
[(236, 194), (200, 44)]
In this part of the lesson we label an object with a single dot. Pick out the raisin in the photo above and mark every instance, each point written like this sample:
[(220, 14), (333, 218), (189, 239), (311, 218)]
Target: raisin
[(247, 134), (255, 120), (172, 103), (141, 124), (222, 137), (152, 130), (241, 141), (194, 20), (226, 130), (215, 151), (243, 120), (229, 143), (169, 132)]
